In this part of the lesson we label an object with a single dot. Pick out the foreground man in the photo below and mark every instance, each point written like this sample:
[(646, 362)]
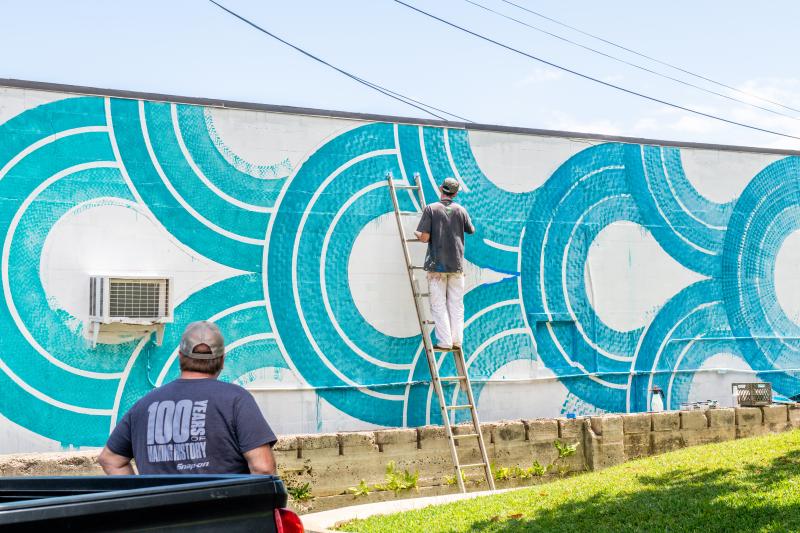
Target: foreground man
[(442, 226), (195, 424)]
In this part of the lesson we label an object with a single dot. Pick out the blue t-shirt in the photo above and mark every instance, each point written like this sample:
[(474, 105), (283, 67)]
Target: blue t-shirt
[(192, 426)]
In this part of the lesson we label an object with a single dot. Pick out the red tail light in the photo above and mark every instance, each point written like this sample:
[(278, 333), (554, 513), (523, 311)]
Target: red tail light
[(288, 522)]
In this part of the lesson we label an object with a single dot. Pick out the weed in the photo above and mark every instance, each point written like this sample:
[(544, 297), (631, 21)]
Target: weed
[(537, 469), (565, 450), (362, 489), (397, 481), (300, 493)]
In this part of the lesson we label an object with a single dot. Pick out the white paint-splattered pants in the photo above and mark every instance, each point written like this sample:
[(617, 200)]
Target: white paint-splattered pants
[(447, 306)]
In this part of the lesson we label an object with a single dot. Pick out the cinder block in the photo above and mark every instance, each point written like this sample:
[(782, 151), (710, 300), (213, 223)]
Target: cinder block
[(776, 417), (666, 421), (542, 430), (608, 427), (748, 416), (637, 444), (432, 438), (749, 422), (721, 418), (318, 446), (570, 429), (665, 441), (693, 420), (397, 441), (508, 431), (636, 423), (794, 415)]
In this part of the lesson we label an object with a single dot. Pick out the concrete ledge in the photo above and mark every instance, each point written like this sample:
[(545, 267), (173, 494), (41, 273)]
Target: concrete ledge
[(331, 463)]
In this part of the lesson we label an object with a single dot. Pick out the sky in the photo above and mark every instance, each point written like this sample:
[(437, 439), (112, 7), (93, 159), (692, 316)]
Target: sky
[(192, 48)]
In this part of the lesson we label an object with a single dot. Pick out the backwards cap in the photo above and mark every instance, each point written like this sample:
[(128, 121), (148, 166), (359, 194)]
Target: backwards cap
[(202, 332)]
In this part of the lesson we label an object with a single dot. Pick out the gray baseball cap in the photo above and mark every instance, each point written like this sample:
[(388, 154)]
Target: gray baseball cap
[(450, 186), (202, 332)]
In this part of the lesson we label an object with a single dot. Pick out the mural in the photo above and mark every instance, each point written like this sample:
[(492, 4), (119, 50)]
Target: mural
[(283, 232)]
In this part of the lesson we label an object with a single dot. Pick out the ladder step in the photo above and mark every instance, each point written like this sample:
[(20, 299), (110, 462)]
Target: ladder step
[(443, 350), (416, 267), (457, 407), (464, 436), (423, 294), (431, 322), (406, 186), (452, 378), (472, 465), (409, 213), (413, 240)]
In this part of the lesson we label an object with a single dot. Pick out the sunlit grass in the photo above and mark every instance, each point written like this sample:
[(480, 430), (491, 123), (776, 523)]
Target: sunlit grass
[(744, 485)]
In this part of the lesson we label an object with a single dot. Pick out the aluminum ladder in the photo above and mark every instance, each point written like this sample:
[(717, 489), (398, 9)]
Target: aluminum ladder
[(425, 326)]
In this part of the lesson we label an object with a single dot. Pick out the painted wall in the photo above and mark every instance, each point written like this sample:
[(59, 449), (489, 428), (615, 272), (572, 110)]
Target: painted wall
[(598, 269)]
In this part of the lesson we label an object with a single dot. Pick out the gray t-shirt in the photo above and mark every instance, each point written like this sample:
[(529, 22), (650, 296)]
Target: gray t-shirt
[(192, 426), (447, 222)]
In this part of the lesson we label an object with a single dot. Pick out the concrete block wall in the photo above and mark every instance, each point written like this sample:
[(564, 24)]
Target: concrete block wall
[(331, 463)]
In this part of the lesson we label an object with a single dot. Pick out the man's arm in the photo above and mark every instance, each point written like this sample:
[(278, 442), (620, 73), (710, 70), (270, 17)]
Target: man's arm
[(114, 464), (260, 460), (423, 236)]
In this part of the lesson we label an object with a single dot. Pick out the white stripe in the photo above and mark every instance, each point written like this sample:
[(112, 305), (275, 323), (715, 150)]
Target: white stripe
[(452, 162), (504, 247), (519, 293), (663, 215), (296, 291), (675, 194), (174, 355), (414, 198), (246, 340), (497, 336), (175, 194), (12, 227), (410, 379), (564, 290), (664, 341), (47, 140), (323, 284), (199, 173), (675, 370), (489, 308), (424, 154), (579, 365), (550, 223), (140, 201), (47, 399), (124, 379)]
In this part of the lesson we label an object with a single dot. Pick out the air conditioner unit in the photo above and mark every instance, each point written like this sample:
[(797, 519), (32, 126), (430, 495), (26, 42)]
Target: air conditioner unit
[(130, 300)]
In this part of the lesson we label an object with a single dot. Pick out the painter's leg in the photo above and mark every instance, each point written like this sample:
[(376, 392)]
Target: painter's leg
[(455, 306), (437, 287)]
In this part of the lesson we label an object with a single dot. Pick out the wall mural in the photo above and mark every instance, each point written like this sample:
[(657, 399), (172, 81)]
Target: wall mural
[(288, 233)]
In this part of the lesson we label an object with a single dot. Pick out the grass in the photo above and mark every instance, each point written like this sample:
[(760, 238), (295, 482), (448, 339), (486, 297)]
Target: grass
[(744, 485)]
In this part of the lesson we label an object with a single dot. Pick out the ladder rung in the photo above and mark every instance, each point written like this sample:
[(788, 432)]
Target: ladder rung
[(442, 350), (416, 267), (457, 407), (431, 322), (452, 378), (464, 436), (472, 465), (409, 213), (423, 294), (413, 240), (406, 186)]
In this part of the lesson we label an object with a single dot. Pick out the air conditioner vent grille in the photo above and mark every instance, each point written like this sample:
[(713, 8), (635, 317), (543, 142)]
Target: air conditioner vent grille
[(138, 298)]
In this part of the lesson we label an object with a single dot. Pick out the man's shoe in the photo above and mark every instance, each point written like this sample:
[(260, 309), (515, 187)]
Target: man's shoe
[(442, 348)]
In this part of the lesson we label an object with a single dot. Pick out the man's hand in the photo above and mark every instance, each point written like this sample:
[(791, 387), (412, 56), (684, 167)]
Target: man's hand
[(115, 465), (260, 460), (423, 236)]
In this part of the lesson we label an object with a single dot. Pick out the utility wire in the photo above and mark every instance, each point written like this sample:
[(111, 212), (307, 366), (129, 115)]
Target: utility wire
[(383, 90), (586, 76), (621, 47), (620, 60)]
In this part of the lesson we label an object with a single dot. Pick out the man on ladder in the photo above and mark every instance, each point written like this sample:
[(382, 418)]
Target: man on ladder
[(442, 226)]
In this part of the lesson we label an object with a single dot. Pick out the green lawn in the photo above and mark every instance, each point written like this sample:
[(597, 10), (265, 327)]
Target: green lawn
[(744, 485)]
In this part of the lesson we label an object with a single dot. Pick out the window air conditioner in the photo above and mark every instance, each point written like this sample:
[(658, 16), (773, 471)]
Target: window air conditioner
[(130, 300)]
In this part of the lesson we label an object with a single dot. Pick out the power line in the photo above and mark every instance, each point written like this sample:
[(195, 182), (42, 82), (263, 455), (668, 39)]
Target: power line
[(586, 76), (621, 47), (620, 60), (383, 90)]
